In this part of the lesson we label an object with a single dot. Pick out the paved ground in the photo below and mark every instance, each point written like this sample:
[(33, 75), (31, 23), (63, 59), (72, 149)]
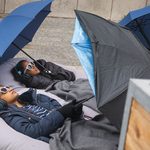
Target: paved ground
[(52, 42)]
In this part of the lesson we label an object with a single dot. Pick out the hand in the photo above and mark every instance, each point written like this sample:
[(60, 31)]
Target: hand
[(77, 112), (28, 96), (71, 110)]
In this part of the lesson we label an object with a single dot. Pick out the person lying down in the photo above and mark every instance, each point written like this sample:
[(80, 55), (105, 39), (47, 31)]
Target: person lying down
[(61, 82), (37, 116), (33, 75)]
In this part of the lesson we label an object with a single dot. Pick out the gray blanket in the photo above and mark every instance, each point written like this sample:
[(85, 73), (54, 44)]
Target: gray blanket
[(75, 90), (96, 134)]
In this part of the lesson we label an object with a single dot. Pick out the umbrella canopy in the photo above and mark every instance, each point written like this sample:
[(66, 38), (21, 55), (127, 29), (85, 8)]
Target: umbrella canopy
[(117, 56), (138, 21), (82, 45), (19, 27)]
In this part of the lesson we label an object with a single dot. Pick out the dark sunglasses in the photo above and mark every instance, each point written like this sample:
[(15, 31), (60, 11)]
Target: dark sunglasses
[(4, 89), (29, 66)]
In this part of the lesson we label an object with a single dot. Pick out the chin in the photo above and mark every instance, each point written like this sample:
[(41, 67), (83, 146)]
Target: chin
[(38, 71), (15, 95)]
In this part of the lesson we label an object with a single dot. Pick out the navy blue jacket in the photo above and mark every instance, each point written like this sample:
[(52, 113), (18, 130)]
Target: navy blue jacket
[(30, 124)]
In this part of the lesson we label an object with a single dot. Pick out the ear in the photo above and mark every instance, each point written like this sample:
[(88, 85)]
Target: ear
[(19, 72)]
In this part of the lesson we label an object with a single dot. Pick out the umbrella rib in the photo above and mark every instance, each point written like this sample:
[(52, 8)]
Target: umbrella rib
[(25, 37), (147, 40), (20, 16), (46, 70)]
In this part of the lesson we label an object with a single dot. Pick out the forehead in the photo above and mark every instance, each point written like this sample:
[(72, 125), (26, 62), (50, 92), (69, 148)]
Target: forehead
[(25, 63), (1, 86)]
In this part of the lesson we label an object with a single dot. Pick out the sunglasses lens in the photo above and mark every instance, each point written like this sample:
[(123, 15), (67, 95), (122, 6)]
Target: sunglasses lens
[(4, 89), (29, 67)]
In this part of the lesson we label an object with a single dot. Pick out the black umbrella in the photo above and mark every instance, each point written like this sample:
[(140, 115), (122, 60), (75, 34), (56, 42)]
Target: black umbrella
[(118, 56)]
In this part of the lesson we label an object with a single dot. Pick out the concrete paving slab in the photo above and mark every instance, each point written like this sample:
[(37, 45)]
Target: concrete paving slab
[(52, 42), (122, 7), (148, 2), (12, 4), (64, 8), (102, 7), (60, 8), (2, 6)]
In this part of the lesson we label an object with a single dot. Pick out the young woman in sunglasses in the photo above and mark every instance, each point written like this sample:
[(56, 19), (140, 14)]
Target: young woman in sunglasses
[(33, 75), (36, 116)]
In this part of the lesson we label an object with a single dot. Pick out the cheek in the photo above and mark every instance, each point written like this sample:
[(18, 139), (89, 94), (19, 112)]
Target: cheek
[(35, 71), (29, 72), (7, 97), (13, 97)]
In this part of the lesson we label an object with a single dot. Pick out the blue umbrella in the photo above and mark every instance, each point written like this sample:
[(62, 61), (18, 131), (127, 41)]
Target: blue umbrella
[(138, 22), (19, 27)]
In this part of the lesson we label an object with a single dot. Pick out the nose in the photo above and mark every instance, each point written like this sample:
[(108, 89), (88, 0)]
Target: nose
[(11, 89), (34, 67)]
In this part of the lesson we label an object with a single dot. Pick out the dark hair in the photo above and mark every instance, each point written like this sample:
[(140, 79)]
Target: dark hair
[(18, 70)]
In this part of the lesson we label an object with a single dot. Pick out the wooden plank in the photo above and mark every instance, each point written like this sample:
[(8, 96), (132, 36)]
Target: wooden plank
[(138, 133)]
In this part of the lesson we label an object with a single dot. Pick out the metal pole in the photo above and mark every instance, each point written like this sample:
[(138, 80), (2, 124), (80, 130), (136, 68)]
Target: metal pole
[(45, 69)]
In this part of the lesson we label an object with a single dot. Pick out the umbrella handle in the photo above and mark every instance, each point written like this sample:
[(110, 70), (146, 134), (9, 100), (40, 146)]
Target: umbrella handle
[(45, 69)]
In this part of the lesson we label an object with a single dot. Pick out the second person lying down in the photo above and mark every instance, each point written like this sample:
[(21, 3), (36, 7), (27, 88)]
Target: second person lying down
[(33, 75)]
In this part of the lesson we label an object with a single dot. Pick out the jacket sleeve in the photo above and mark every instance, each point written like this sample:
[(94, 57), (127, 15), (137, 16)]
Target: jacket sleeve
[(59, 72), (44, 127)]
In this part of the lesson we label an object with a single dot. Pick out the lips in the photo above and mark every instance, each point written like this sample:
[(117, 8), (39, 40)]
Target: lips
[(37, 70)]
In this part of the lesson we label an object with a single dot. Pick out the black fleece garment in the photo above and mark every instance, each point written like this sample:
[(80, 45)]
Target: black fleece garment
[(43, 80)]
